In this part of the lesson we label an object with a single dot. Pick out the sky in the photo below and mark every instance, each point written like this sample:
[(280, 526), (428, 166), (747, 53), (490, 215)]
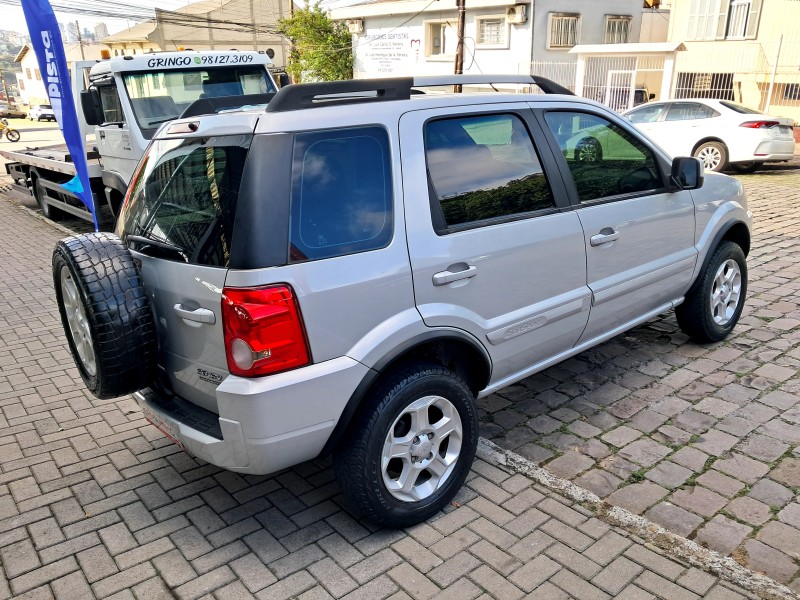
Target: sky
[(11, 17)]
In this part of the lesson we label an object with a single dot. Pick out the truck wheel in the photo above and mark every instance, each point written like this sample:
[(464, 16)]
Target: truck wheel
[(40, 193), (714, 304), (105, 313), (408, 453)]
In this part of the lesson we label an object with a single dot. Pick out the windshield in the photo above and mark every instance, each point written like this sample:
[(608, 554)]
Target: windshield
[(160, 96), (184, 197), (47, 106)]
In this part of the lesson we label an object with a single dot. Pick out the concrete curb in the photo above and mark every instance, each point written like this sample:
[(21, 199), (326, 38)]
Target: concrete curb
[(679, 547)]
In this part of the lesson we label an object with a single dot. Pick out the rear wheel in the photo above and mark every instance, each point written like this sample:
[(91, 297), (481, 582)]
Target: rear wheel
[(409, 451), (105, 313), (12, 135), (713, 154), (714, 304), (40, 193)]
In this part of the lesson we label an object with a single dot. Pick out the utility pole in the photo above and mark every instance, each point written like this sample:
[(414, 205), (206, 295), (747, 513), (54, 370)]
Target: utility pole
[(80, 41), (459, 67)]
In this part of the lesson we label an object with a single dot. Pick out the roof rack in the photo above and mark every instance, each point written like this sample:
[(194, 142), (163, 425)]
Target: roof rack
[(311, 95)]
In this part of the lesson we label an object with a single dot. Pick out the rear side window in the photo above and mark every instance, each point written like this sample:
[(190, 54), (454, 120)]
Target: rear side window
[(687, 111), (341, 193), (185, 196), (484, 167)]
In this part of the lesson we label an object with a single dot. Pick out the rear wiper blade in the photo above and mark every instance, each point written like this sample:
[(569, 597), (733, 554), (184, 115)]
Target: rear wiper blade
[(140, 239)]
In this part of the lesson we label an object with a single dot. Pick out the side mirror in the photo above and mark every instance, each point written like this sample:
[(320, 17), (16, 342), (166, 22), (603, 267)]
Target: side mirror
[(92, 109), (651, 96), (283, 80), (687, 174)]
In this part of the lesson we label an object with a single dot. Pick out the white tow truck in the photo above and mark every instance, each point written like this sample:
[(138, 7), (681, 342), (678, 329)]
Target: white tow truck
[(126, 99)]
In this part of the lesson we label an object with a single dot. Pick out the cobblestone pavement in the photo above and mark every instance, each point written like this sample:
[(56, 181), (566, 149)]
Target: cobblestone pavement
[(703, 440), (94, 502)]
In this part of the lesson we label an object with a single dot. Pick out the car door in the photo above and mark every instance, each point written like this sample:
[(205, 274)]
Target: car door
[(639, 237), (494, 249)]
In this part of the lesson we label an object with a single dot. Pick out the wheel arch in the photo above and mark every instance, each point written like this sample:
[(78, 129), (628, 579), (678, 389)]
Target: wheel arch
[(710, 138), (452, 349), (736, 232)]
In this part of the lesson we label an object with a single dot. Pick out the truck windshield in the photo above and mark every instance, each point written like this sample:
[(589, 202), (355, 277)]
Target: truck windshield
[(160, 96)]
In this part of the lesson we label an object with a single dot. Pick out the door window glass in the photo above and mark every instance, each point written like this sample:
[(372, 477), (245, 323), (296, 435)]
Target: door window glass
[(484, 167), (687, 111), (605, 160), (341, 193), (646, 114)]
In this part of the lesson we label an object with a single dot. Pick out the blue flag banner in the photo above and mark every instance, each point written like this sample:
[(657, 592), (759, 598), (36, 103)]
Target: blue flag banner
[(49, 48)]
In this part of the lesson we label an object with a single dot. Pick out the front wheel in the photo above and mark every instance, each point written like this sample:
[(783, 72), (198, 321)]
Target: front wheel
[(12, 135), (714, 304), (410, 450)]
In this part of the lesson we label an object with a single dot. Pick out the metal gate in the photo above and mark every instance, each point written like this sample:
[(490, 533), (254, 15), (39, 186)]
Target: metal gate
[(621, 82)]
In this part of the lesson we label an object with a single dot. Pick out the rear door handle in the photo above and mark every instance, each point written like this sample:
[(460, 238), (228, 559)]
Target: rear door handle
[(606, 236), (199, 315), (445, 277)]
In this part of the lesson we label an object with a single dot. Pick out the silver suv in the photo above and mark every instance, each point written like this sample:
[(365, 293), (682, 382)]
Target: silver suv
[(347, 270)]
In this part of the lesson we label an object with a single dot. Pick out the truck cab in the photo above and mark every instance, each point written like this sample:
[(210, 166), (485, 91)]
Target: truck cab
[(130, 97)]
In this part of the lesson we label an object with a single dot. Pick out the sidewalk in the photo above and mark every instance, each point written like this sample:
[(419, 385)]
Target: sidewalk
[(94, 502)]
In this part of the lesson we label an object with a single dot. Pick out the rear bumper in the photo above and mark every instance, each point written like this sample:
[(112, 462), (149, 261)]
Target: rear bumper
[(264, 424), (769, 151)]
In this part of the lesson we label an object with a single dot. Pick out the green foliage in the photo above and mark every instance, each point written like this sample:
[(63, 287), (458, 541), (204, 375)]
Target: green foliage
[(322, 48)]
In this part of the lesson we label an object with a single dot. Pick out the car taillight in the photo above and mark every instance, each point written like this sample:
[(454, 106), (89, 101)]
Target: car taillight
[(264, 332), (759, 124)]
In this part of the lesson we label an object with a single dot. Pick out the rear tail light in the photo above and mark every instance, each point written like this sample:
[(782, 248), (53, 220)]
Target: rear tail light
[(264, 332), (760, 124)]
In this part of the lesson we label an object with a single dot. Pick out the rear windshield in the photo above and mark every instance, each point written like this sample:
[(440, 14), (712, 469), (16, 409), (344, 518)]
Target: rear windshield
[(739, 108), (45, 106), (184, 198)]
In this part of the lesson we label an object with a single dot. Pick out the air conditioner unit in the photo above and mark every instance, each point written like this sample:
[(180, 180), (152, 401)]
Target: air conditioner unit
[(517, 14), (355, 25)]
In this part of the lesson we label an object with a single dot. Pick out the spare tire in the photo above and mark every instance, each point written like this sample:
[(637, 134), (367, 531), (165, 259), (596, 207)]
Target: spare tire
[(105, 313)]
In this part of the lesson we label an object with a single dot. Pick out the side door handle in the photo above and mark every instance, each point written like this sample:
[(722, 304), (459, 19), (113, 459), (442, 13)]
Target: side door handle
[(198, 315), (445, 277), (606, 236)]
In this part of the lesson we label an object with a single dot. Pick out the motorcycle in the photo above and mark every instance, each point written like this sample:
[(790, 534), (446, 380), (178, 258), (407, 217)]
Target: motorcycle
[(11, 134)]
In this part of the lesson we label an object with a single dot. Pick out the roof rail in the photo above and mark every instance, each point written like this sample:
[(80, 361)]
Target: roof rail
[(310, 95)]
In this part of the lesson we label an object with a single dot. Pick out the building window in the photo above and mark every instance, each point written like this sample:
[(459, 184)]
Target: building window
[(791, 91), (491, 31), (38, 74), (618, 28), (28, 73), (723, 19), (563, 30), (441, 39)]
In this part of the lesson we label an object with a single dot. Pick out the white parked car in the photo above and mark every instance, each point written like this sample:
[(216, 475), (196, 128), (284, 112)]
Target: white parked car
[(719, 132), (42, 111)]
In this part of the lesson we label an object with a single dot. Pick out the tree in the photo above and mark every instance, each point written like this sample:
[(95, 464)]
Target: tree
[(322, 49)]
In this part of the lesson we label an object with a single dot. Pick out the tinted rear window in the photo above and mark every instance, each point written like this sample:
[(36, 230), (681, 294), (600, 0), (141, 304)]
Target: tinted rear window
[(185, 194)]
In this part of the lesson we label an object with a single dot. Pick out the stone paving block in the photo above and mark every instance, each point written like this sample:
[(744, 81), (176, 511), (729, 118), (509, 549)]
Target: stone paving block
[(578, 587), (674, 518), (570, 464), (638, 497), (722, 534), (771, 493), (289, 587), (156, 589), (500, 561), (749, 510), (722, 484), (334, 578), (574, 561), (773, 563), (96, 563), (742, 468), (71, 587), (617, 575), (699, 500), (453, 569), (787, 472), (599, 482), (205, 584), (374, 565), (19, 558), (654, 562), (564, 533), (668, 474), (781, 537), (664, 588), (644, 452), (46, 574)]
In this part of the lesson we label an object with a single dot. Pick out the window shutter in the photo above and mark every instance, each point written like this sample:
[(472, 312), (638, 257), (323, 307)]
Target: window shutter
[(722, 19), (752, 19)]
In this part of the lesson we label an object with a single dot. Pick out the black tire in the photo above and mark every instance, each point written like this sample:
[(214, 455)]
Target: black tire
[(39, 194), (713, 154), (12, 135), (359, 460), (95, 273), (746, 167), (700, 316), (588, 150)]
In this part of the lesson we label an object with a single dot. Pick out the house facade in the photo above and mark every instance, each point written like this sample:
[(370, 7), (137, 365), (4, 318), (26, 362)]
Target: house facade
[(30, 86), (209, 25), (747, 51), (419, 37)]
